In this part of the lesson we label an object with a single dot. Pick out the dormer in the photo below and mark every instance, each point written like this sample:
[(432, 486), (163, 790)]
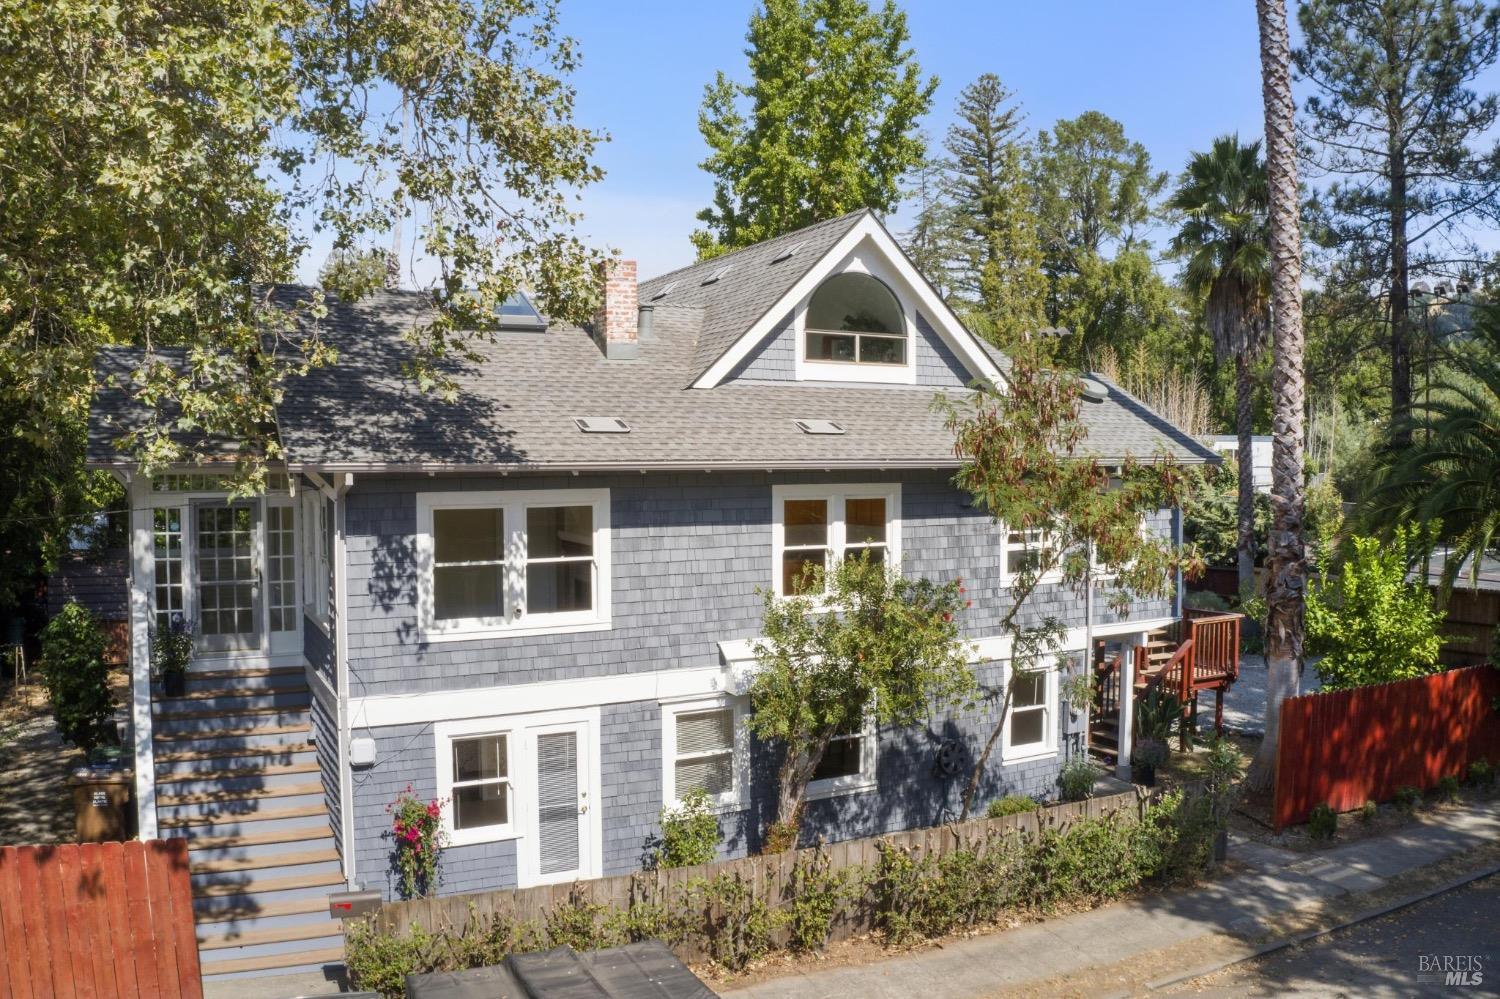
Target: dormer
[(855, 327)]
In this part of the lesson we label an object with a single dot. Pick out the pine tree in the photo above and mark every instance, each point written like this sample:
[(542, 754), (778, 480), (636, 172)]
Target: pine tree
[(831, 126), (998, 272)]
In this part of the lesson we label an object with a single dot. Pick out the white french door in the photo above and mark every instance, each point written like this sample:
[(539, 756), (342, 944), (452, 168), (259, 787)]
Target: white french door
[(227, 575), (561, 821)]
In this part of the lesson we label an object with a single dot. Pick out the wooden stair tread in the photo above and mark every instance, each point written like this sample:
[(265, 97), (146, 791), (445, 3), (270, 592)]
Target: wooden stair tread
[(231, 773), (230, 864), (230, 674), (178, 755), (327, 955), (265, 886), (295, 812), (231, 733), (202, 797), (212, 692), (282, 709), (294, 907), (295, 834), (276, 934)]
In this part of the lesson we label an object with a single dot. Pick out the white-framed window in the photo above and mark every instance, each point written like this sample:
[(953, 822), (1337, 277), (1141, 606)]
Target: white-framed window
[(705, 746), (318, 529), (1025, 548), (481, 784), (854, 318), (848, 763), (169, 592), (816, 525), (1031, 722), (512, 562)]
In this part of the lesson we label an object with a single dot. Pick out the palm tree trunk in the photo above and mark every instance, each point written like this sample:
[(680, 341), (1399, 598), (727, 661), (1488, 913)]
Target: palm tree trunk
[(1287, 574), (1245, 538)]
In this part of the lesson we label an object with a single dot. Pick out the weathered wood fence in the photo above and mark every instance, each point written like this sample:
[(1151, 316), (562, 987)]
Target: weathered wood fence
[(97, 920), (767, 875), (1346, 747)]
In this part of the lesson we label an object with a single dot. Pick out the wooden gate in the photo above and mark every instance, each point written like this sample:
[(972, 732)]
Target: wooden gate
[(97, 920)]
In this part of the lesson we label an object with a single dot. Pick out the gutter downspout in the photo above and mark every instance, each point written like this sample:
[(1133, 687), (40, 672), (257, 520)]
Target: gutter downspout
[(1088, 638), (142, 578), (341, 668)]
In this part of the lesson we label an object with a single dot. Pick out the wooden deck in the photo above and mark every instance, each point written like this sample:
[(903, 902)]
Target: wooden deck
[(1199, 652)]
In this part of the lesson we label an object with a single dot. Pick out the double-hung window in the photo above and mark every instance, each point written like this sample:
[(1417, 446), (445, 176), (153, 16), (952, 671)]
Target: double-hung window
[(705, 749), (481, 782), (1023, 550), (1030, 726), (495, 563), (815, 526), (848, 763)]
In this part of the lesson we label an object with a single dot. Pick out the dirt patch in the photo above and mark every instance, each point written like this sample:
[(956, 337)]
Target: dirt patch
[(1252, 819)]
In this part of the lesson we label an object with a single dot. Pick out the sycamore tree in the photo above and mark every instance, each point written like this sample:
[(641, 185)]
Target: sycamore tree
[(1025, 461), (828, 123), (165, 166), (867, 645)]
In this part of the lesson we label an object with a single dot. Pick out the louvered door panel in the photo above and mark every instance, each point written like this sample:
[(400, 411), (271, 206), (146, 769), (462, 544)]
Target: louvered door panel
[(557, 802)]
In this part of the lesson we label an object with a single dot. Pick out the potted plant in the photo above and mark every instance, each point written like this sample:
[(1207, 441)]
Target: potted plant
[(1145, 757), (171, 651)]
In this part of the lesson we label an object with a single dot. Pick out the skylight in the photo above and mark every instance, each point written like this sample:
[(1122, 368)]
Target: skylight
[(664, 292), (716, 275), (517, 313), (601, 424), (1093, 390), (819, 427), (788, 253)]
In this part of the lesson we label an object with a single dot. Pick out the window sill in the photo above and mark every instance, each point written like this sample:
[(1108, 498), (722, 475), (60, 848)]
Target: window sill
[(433, 637), (840, 786), (1028, 755), (473, 837), (727, 806)]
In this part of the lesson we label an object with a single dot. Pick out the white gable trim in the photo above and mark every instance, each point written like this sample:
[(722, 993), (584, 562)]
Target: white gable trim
[(867, 229)]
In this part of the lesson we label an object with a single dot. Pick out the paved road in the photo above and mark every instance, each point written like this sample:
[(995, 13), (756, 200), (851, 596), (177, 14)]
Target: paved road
[(1381, 958)]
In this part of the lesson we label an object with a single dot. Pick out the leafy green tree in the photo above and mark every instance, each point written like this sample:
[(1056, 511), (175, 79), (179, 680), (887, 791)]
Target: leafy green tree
[(162, 161), (1448, 478), (1222, 200), (1368, 621), (1210, 516), (77, 677), (871, 645), (1395, 119), (1116, 303), (834, 98), (1021, 448), (931, 242)]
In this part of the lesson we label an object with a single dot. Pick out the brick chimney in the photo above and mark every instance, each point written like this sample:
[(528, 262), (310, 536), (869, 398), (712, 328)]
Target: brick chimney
[(615, 324)]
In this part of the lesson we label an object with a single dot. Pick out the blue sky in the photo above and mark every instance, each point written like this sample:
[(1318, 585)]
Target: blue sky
[(1175, 73)]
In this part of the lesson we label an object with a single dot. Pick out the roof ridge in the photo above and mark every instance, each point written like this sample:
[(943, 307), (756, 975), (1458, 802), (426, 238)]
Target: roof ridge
[(755, 246)]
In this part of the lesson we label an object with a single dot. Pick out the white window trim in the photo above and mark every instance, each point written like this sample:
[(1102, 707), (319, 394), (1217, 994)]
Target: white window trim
[(515, 503), (862, 782), (836, 495), (1050, 704), (854, 371), (738, 796), (319, 570), (520, 731), (1007, 578)]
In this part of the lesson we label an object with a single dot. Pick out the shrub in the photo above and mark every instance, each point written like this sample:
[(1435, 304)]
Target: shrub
[(1481, 774), (1323, 822), (1149, 753), (689, 833), (77, 677), (1205, 600), (417, 832), (1368, 622), (814, 895), (738, 923), (1156, 715), (1368, 811), (1447, 788), (172, 649), (1077, 779), (1011, 804), (1407, 798)]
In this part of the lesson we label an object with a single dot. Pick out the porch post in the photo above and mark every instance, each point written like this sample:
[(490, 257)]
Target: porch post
[(1126, 734), (142, 578)]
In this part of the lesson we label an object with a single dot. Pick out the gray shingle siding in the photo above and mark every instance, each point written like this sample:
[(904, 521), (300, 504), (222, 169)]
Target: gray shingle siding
[(937, 365), (317, 647), (326, 742)]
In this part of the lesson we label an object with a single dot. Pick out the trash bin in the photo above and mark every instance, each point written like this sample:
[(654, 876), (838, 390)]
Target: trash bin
[(100, 795)]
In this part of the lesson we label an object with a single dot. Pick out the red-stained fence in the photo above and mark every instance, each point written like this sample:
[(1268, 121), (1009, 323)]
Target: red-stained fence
[(97, 920), (1346, 747)]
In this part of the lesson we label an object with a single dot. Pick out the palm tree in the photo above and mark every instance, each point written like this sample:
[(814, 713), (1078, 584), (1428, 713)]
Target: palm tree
[(1448, 477), (1287, 575), (1223, 201)]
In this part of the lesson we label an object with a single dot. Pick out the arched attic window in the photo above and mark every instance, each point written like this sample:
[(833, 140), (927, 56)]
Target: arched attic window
[(855, 319)]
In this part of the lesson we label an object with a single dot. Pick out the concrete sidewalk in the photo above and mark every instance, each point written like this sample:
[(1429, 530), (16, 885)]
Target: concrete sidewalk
[(1273, 884)]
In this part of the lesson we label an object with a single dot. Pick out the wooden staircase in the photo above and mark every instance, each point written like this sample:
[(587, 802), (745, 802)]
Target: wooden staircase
[(1199, 652), (237, 776)]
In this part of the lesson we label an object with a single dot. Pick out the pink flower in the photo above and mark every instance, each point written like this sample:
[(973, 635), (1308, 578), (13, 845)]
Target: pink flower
[(434, 808)]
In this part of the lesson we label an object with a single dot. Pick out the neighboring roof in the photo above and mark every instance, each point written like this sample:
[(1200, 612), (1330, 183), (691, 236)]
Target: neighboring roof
[(1487, 582), (754, 282), (517, 406), (1235, 440)]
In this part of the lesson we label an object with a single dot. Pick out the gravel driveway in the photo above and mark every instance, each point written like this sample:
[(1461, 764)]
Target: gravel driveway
[(1245, 704)]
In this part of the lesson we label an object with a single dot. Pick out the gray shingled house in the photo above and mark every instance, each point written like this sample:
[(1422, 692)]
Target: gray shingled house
[(536, 601)]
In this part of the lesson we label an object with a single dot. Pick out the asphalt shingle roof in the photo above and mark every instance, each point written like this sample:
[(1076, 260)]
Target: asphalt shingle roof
[(516, 406)]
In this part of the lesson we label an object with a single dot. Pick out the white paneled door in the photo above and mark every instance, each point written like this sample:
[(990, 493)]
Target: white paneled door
[(560, 839)]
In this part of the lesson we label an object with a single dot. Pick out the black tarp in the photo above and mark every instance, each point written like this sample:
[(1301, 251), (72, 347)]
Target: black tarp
[(636, 971)]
